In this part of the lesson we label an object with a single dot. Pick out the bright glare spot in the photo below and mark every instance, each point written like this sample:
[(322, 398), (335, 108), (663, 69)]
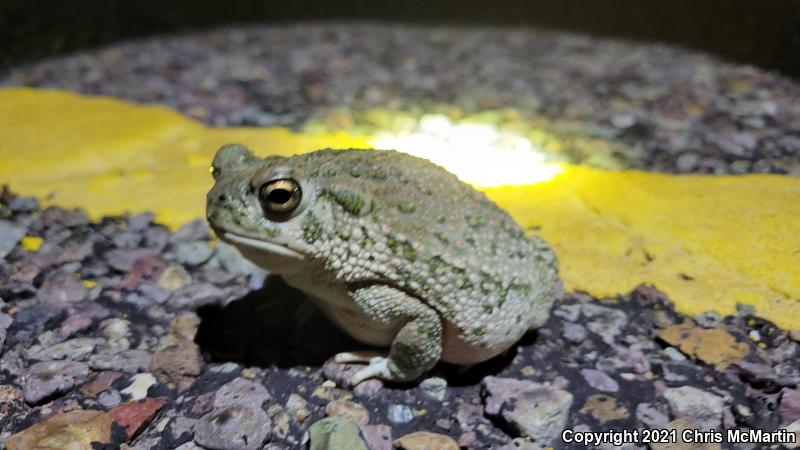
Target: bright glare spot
[(479, 154)]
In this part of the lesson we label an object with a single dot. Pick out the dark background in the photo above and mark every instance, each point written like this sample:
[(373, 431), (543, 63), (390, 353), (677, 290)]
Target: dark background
[(760, 32)]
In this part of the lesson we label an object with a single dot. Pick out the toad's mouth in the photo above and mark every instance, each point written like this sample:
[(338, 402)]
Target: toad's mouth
[(248, 244)]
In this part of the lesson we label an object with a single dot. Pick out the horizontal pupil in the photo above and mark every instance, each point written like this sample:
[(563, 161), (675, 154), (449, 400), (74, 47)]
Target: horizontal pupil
[(279, 196)]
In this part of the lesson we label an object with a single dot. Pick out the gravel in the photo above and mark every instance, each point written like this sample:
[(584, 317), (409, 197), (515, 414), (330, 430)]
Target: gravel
[(183, 344), (207, 360)]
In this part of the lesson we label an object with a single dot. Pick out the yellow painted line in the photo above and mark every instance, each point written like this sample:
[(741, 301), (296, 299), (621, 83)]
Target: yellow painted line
[(111, 157), (709, 242)]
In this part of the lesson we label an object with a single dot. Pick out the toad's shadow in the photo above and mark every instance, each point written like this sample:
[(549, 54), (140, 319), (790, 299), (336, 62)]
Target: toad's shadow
[(278, 325), (275, 325)]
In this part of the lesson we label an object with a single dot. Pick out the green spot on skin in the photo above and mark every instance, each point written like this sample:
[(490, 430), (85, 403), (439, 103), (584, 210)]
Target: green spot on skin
[(366, 241), (350, 201), (436, 265), (343, 234), (475, 222), (408, 252), (425, 330), (272, 231), (406, 207), (312, 229), (378, 175), (391, 242)]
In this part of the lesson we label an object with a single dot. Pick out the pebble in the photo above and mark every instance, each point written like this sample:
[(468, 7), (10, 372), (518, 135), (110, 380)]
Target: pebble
[(48, 378), (5, 319), (124, 259), (570, 313), (467, 439), (70, 430), (281, 422), (174, 277), (424, 440), (117, 332), (789, 408), (599, 380), (399, 414), (674, 354), (76, 349), (153, 292), (714, 346), (574, 332), (368, 388), (33, 321), (140, 221), (10, 235), (156, 238), (534, 410), (127, 239), (196, 230), (21, 205), (297, 407), (339, 373), (696, 405), (604, 321), (234, 427), (111, 358), (61, 289), (195, 295), (74, 324), (335, 433), (241, 392), (708, 319), (136, 414), (329, 391), (351, 411), (377, 437), (109, 399), (177, 360), (185, 326), (435, 388), (100, 383), (140, 383), (604, 408), (193, 253), (146, 269)]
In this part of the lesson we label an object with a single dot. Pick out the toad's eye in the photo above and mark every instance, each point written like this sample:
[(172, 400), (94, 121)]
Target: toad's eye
[(279, 197)]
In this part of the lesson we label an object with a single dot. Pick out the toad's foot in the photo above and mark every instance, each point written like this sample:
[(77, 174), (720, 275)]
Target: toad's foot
[(363, 357), (378, 368), (418, 344)]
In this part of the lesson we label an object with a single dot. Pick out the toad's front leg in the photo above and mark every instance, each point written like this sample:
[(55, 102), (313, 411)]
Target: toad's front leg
[(415, 349)]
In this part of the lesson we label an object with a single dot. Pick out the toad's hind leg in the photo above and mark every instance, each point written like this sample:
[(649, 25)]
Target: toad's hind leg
[(417, 346)]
